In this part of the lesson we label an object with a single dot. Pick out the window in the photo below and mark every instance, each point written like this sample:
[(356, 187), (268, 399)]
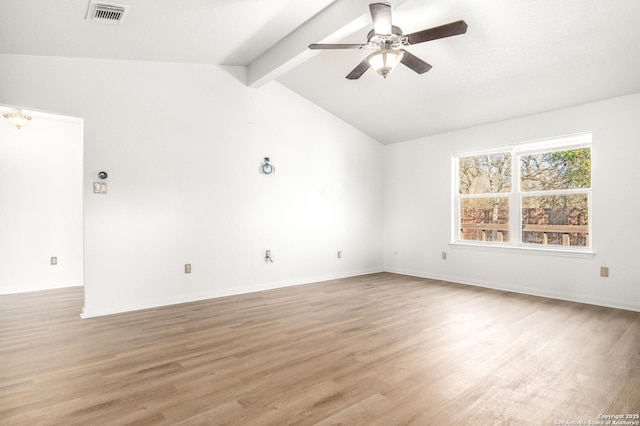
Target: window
[(535, 195)]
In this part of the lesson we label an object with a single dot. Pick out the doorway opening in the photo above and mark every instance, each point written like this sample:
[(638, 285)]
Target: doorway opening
[(41, 202)]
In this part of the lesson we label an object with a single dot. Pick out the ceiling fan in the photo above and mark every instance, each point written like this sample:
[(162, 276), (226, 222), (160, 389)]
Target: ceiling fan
[(387, 42)]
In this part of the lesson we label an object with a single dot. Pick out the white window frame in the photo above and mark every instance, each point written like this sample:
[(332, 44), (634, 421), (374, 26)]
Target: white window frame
[(582, 140)]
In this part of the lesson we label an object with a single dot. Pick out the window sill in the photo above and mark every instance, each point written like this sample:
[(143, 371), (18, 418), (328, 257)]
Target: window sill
[(586, 253)]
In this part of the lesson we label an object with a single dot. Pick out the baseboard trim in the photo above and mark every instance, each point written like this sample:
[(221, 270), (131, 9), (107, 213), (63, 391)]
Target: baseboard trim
[(31, 289), (98, 311), (609, 303)]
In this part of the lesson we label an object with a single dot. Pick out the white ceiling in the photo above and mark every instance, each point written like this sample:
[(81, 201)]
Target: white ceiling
[(518, 57)]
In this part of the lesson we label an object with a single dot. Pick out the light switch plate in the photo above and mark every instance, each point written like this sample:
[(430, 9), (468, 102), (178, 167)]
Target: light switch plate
[(99, 187)]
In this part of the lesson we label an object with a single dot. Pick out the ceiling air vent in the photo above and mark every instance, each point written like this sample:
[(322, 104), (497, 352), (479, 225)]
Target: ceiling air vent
[(107, 13)]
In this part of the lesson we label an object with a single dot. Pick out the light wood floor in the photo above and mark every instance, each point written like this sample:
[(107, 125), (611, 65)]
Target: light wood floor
[(379, 349)]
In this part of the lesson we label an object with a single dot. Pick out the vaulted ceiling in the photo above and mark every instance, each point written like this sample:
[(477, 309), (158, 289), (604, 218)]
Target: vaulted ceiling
[(518, 57)]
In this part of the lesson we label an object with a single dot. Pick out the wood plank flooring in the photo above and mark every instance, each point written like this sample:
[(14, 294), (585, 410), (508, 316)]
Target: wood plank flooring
[(380, 349)]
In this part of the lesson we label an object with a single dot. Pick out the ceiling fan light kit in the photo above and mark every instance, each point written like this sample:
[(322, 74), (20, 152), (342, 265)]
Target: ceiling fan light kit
[(385, 60), (387, 42)]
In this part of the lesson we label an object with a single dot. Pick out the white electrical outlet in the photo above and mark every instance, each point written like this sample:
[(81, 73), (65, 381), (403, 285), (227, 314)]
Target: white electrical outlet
[(187, 268), (54, 260), (444, 255), (339, 254)]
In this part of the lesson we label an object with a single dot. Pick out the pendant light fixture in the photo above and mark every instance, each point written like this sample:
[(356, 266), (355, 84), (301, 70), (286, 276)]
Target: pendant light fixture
[(17, 117)]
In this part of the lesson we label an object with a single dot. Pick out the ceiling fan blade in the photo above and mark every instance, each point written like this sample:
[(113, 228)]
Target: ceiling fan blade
[(381, 15), (446, 30), (415, 63), (359, 70), (336, 46)]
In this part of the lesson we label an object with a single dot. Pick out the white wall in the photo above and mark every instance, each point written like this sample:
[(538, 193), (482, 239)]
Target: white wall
[(418, 208), (182, 145), (40, 204)]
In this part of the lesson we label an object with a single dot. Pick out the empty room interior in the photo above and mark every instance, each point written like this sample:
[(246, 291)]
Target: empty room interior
[(322, 212)]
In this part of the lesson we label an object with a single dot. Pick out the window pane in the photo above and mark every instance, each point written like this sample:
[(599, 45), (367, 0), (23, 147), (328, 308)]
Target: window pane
[(556, 170), (484, 219), (485, 174), (556, 220)]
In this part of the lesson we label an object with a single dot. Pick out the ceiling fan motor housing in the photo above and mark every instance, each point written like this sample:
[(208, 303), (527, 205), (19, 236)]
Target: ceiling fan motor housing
[(393, 40)]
